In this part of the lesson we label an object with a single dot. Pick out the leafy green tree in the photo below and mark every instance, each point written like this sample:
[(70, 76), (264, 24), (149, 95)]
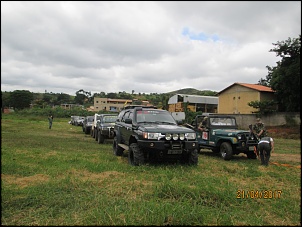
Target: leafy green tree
[(124, 95), (112, 95), (190, 116), (47, 97), (39, 103), (5, 99), (48, 100), (82, 96), (63, 98), (164, 101), (102, 94), (21, 99), (285, 77), (207, 93), (263, 107)]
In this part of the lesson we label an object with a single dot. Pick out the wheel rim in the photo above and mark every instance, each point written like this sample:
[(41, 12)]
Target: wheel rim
[(223, 153)]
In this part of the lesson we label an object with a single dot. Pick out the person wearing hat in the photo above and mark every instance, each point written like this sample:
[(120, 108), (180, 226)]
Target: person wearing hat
[(260, 129)]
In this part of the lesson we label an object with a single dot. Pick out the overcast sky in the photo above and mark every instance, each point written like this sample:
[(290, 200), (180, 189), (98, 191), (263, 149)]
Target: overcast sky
[(148, 47)]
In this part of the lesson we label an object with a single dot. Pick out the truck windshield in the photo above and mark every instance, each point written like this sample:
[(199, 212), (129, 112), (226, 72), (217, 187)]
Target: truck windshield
[(223, 121), (155, 116), (110, 119)]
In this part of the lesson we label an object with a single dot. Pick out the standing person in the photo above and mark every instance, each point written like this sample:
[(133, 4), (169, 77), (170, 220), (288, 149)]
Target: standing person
[(50, 119), (260, 129), (202, 125), (265, 148)]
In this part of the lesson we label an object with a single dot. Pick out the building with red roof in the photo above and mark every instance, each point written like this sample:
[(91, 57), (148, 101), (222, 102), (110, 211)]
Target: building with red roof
[(234, 99)]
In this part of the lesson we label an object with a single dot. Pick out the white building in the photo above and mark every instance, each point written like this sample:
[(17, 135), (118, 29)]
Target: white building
[(195, 103)]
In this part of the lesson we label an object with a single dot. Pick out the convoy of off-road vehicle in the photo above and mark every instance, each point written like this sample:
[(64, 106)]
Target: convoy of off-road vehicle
[(152, 135)]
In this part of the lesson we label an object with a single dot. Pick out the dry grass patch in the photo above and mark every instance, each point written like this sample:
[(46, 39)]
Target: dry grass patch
[(23, 182), (286, 157)]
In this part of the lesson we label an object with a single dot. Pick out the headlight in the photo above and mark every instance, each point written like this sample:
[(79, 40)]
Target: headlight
[(175, 136), (151, 136), (190, 136), (181, 136), (168, 136)]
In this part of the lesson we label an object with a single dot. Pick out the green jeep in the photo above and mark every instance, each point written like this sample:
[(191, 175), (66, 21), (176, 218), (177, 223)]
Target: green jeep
[(220, 134)]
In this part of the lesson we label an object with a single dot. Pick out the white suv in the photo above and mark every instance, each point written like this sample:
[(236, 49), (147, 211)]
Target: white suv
[(93, 131)]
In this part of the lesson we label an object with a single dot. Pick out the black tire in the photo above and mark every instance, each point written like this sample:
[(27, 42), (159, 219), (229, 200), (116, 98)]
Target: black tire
[(117, 150), (135, 155), (193, 157), (101, 138), (86, 131), (96, 135), (198, 148), (226, 151)]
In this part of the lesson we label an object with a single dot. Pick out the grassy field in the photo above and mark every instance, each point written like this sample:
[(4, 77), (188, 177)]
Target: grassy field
[(61, 176)]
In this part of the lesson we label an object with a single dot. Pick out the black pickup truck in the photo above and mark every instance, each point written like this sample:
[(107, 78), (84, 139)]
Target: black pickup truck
[(151, 134)]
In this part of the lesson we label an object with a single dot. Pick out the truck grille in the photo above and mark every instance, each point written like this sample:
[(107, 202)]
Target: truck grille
[(176, 146)]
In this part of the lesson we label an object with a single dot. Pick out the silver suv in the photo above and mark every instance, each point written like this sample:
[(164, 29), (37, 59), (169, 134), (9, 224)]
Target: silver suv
[(87, 124)]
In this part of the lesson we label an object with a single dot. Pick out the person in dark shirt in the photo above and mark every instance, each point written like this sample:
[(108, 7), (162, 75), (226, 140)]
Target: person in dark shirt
[(260, 129), (50, 119)]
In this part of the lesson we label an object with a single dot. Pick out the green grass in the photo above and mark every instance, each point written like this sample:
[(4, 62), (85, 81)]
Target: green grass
[(64, 177)]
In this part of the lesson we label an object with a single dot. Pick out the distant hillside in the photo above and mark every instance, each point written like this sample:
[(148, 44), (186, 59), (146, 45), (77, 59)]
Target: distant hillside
[(193, 91)]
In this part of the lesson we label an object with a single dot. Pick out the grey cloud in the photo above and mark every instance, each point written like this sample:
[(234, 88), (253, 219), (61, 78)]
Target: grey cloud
[(124, 46)]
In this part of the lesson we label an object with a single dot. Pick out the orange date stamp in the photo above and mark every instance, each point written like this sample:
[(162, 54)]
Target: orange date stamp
[(258, 194)]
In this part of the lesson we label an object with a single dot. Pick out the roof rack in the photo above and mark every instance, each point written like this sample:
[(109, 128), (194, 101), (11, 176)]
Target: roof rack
[(143, 106)]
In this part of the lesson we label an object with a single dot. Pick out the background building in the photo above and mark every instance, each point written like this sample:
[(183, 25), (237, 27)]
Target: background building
[(235, 98), (116, 105), (107, 104), (195, 103)]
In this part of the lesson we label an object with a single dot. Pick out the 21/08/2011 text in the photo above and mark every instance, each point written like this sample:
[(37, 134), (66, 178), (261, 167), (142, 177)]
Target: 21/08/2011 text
[(257, 194)]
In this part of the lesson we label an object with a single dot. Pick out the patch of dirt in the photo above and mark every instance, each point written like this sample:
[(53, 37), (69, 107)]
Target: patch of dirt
[(284, 132)]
